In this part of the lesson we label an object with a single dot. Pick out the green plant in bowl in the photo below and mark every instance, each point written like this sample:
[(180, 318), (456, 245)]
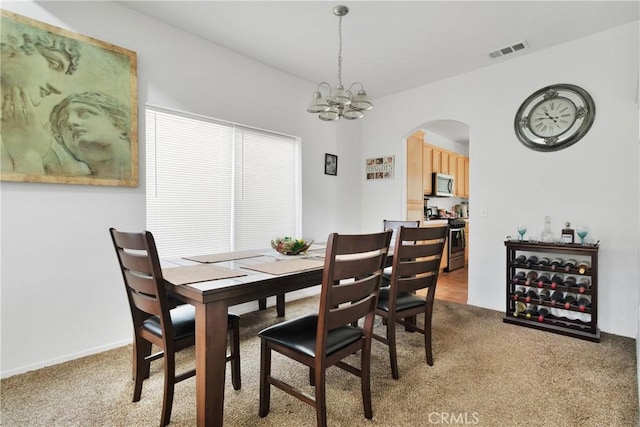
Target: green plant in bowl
[(290, 246)]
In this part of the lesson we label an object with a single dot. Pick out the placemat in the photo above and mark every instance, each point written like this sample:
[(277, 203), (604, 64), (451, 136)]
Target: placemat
[(198, 273), (226, 256), (286, 266)]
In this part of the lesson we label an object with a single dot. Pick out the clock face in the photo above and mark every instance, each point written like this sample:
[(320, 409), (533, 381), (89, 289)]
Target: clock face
[(554, 117)]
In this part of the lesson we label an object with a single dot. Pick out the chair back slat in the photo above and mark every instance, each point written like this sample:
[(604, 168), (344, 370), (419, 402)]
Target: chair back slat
[(411, 284), (353, 291), (353, 266), (414, 267), (413, 251), (351, 280)]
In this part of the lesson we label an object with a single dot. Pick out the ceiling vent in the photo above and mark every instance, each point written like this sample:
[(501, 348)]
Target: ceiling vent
[(509, 49)]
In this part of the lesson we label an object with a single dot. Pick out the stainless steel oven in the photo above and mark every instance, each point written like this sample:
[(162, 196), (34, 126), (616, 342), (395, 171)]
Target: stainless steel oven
[(456, 246)]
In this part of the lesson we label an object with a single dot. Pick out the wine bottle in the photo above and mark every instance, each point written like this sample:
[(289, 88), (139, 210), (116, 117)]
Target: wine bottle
[(519, 276), (519, 309), (584, 301), (531, 294), (532, 260), (556, 263), (583, 266), (519, 293), (556, 281), (569, 300), (521, 259), (530, 277), (544, 295), (570, 282), (543, 312), (557, 297), (571, 263), (530, 311), (584, 285), (567, 235), (544, 261), (542, 279)]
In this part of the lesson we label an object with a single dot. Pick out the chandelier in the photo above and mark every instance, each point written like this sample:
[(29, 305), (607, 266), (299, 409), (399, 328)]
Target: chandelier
[(340, 103)]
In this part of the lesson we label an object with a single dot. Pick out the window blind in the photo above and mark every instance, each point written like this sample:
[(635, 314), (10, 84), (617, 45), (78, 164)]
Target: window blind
[(214, 186)]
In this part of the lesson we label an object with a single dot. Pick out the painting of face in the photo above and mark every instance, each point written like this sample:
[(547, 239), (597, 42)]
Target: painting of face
[(68, 106), (90, 134)]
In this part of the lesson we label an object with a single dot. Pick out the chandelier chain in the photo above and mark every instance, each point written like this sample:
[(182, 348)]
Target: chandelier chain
[(340, 51)]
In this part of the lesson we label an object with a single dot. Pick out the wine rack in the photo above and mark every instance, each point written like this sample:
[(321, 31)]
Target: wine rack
[(570, 319)]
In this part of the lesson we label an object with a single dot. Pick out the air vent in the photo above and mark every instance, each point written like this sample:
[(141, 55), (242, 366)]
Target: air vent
[(509, 49)]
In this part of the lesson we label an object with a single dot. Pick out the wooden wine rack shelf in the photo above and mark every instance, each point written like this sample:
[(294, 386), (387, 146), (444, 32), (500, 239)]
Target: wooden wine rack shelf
[(565, 321)]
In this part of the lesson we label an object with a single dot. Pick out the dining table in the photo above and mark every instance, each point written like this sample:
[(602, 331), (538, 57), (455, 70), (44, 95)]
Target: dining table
[(213, 283)]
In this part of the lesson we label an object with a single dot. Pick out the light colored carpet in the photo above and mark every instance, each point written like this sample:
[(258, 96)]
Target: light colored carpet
[(485, 373)]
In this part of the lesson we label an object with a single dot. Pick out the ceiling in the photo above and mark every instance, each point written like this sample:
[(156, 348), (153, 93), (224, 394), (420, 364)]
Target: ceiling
[(389, 46)]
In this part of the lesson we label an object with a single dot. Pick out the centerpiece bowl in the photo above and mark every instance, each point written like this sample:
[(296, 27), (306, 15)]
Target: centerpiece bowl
[(290, 246)]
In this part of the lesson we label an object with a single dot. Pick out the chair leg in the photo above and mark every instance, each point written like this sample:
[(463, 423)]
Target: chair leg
[(234, 343), (321, 400), (141, 349), (365, 379), (169, 384), (391, 341), (265, 371), (312, 377), (427, 334)]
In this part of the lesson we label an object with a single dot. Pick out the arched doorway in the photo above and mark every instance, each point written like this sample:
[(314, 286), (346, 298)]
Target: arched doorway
[(445, 150)]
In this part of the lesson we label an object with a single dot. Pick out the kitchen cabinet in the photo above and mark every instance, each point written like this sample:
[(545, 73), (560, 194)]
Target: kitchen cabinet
[(444, 162), (563, 313), (435, 160), (415, 192), (427, 158), (460, 177), (453, 171), (465, 192)]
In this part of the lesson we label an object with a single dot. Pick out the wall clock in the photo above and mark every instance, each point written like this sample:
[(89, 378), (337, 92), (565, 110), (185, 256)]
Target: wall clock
[(554, 117)]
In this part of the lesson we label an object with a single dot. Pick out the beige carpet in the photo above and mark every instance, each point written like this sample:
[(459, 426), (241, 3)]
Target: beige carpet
[(485, 373)]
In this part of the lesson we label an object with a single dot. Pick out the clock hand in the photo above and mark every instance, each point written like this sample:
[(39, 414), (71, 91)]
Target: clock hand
[(554, 120)]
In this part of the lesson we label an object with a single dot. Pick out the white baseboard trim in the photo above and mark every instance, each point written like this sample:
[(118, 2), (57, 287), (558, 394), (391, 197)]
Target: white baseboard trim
[(238, 309), (62, 359)]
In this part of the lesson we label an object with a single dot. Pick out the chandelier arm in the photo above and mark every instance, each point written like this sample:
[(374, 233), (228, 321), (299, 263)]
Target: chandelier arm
[(323, 84), (356, 83)]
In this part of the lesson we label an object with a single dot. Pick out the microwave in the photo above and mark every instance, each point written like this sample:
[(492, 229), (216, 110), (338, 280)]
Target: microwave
[(442, 185)]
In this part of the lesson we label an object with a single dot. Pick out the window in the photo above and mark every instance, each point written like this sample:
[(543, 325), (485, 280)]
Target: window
[(214, 186)]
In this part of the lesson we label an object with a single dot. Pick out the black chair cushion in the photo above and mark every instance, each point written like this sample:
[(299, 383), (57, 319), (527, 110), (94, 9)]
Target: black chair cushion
[(404, 300), (300, 335), (386, 277), (183, 318)]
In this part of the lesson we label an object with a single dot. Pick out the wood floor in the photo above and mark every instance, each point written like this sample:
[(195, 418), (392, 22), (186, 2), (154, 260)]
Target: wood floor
[(453, 286)]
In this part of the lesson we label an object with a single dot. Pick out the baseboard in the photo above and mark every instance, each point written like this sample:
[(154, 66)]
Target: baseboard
[(238, 309), (65, 358)]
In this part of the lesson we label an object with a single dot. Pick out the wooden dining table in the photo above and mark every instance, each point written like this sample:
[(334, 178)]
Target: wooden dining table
[(254, 275)]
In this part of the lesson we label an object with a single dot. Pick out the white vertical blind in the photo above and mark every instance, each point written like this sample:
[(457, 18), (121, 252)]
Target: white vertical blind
[(216, 187)]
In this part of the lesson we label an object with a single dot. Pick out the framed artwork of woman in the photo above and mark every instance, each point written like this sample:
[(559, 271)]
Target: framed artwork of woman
[(69, 106)]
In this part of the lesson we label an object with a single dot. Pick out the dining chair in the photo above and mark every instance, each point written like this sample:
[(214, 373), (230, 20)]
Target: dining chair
[(350, 283), (393, 225), (416, 263), (156, 322)]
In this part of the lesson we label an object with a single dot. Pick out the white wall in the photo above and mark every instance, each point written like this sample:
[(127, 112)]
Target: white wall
[(594, 182), (62, 295)]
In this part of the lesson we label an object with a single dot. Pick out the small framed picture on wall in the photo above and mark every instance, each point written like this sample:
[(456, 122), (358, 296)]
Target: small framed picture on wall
[(330, 164)]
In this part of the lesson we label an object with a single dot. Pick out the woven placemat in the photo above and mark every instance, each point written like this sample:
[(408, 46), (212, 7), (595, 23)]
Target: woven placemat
[(198, 273), (226, 256), (287, 266)]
